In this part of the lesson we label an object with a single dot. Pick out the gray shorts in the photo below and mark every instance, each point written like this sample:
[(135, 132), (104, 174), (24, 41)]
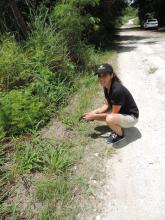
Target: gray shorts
[(127, 121)]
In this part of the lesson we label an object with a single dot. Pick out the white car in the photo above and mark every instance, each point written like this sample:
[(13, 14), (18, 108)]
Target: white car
[(151, 23)]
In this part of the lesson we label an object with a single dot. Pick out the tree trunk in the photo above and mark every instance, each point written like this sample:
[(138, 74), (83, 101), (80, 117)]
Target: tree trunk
[(18, 17)]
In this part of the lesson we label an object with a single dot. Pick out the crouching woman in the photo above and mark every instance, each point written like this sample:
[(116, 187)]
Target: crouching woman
[(120, 109)]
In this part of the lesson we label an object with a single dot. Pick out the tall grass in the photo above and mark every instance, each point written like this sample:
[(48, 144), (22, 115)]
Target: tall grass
[(40, 155), (12, 69), (55, 188)]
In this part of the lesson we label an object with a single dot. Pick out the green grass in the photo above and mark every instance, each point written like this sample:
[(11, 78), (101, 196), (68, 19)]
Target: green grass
[(59, 195), (45, 214), (106, 56), (69, 116), (42, 155), (54, 161), (48, 189), (9, 211)]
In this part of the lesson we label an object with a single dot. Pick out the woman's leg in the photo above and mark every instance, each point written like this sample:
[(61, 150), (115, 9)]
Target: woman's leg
[(114, 121)]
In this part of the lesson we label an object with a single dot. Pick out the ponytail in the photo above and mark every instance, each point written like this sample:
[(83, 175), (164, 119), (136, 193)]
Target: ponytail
[(116, 78)]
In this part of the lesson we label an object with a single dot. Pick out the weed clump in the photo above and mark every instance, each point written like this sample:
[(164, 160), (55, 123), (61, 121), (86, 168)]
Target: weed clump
[(40, 155)]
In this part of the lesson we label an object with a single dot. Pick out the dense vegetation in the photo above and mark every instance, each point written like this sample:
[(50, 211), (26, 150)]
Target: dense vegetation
[(43, 47), (127, 14)]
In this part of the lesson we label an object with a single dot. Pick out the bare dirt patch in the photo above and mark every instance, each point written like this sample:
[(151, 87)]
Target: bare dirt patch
[(56, 130)]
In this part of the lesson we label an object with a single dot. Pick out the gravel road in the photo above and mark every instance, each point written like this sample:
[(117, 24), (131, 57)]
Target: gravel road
[(135, 176)]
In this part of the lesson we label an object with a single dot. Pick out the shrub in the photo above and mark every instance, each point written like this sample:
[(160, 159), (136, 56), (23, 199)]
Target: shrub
[(53, 88), (20, 112), (49, 189), (73, 23), (22, 63), (53, 72), (45, 46), (13, 71)]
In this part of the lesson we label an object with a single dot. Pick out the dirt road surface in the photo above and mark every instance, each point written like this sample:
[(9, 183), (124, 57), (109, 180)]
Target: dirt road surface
[(135, 176)]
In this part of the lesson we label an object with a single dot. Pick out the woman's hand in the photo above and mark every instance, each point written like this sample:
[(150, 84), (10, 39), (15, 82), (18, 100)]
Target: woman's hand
[(89, 116)]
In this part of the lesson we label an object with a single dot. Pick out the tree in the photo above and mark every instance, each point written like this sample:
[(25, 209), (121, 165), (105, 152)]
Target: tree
[(97, 17), (108, 11), (18, 17)]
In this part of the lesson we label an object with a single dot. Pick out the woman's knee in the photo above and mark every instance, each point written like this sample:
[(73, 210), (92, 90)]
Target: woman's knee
[(110, 119), (113, 119)]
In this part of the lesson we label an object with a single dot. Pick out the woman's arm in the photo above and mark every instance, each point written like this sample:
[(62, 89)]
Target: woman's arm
[(116, 108), (97, 114), (100, 110)]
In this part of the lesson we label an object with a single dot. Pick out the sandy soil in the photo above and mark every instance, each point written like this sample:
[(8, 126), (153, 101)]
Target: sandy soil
[(135, 176)]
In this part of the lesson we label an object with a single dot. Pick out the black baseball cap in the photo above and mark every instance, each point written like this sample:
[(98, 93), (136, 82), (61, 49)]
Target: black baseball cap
[(104, 69)]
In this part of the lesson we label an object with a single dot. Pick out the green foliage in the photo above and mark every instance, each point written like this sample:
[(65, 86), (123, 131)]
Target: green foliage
[(71, 118), (47, 166), (53, 88), (59, 159), (46, 214), (42, 68), (36, 77), (39, 155), (48, 189), (108, 13), (13, 71), (20, 112), (53, 73), (58, 193), (45, 46), (8, 210), (128, 13), (131, 12), (73, 23)]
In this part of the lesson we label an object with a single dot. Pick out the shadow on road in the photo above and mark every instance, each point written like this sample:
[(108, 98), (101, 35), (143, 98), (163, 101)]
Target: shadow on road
[(123, 49), (150, 42), (127, 43), (131, 135), (125, 39)]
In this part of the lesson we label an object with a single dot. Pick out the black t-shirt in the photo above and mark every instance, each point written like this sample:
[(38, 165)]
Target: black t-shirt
[(119, 95)]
